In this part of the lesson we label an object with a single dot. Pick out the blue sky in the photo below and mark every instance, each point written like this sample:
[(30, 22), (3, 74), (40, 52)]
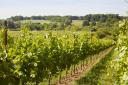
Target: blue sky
[(61, 7)]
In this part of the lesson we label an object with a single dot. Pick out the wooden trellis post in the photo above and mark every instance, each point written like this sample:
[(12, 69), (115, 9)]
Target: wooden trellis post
[(5, 36), (49, 79)]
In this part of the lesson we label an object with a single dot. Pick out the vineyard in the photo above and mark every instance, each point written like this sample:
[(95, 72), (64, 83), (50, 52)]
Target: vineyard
[(35, 57), (49, 57)]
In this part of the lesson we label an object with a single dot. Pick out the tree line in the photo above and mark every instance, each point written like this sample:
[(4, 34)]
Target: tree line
[(90, 17), (60, 22)]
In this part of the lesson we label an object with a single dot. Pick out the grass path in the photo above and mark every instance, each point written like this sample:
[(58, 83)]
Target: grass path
[(100, 74), (70, 79)]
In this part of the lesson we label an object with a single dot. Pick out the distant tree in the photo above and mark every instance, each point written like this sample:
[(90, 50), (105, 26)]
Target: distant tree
[(10, 24), (85, 23), (103, 18), (17, 18), (61, 26), (1, 23), (53, 26), (68, 21), (56, 19), (33, 26), (37, 18), (75, 17), (18, 24), (46, 26), (87, 17), (36, 26)]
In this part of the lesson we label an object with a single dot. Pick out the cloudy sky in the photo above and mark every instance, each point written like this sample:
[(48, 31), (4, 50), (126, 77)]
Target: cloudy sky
[(61, 7)]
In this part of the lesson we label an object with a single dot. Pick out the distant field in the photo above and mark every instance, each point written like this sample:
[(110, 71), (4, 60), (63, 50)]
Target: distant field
[(77, 22), (74, 22), (36, 21)]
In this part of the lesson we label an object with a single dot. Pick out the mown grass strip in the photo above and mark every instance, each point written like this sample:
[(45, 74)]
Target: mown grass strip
[(95, 76)]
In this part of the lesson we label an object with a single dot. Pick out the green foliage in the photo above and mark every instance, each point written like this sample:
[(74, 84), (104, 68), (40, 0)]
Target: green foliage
[(30, 57), (120, 64)]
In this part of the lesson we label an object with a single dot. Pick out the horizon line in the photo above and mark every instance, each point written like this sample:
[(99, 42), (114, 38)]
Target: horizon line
[(60, 15)]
